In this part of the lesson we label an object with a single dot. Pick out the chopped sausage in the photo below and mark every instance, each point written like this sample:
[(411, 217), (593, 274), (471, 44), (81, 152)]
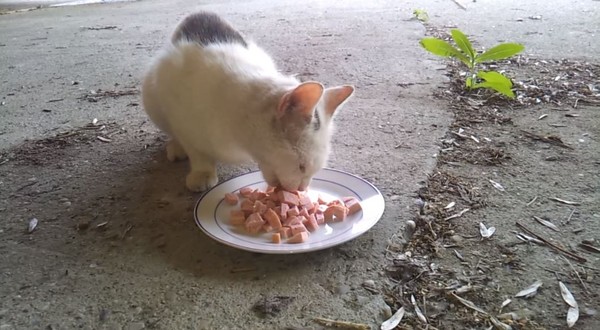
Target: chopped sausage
[(231, 199), (276, 238), (289, 198), (254, 223), (300, 237), (335, 213), (352, 204), (311, 223), (246, 192), (272, 218), (285, 232), (288, 216), (237, 217)]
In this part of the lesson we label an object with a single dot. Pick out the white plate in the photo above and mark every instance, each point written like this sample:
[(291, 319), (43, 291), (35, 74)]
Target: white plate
[(212, 213)]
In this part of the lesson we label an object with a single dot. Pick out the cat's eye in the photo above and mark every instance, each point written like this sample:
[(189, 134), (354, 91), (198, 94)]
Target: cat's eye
[(302, 168)]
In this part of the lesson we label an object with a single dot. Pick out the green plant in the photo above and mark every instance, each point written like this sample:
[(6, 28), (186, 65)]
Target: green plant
[(466, 54)]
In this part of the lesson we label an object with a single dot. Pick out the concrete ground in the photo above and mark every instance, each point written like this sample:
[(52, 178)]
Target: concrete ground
[(149, 266)]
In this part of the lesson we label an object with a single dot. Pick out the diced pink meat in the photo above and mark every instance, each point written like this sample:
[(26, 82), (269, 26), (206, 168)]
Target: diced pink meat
[(254, 223), (259, 207), (247, 206), (298, 238), (352, 204), (231, 199), (246, 191), (293, 211), (320, 218), (276, 238), (311, 223), (272, 218), (292, 220), (237, 217), (285, 232), (335, 213), (298, 228), (288, 198), (283, 211)]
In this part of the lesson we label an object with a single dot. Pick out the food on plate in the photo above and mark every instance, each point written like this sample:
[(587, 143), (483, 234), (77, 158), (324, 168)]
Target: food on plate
[(288, 215)]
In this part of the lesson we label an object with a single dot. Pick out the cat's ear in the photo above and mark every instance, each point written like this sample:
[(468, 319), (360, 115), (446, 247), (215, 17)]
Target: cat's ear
[(302, 100), (336, 96)]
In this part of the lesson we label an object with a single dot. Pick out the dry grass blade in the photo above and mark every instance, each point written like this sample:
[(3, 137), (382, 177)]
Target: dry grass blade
[(551, 139), (567, 295), (589, 247), (554, 246), (546, 223), (103, 139), (497, 185), (504, 304), (393, 321), (457, 215), (532, 201), (560, 200), (418, 310), (530, 291), (450, 205), (499, 325), (341, 324), (468, 303)]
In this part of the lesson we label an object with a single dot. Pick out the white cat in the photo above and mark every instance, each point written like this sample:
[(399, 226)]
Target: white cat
[(220, 98)]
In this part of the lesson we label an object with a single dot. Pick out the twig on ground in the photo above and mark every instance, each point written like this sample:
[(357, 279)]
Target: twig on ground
[(571, 255)]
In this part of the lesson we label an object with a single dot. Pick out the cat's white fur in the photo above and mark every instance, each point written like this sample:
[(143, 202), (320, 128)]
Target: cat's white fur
[(228, 103)]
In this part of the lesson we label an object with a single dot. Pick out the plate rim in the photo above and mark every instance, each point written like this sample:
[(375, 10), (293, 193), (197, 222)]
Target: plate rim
[(292, 251)]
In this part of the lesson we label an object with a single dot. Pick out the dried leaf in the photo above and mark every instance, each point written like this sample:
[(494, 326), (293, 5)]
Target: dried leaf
[(564, 201), (418, 310), (32, 225), (527, 238), (530, 291), (567, 296), (393, 321), (486, 232), (497, 185), (450, 205), (572, 316), (468, 304), (546, 223)]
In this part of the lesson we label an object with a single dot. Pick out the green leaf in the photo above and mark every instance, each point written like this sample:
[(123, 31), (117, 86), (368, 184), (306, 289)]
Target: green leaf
[(496, 81), (442, 48), (500, 52), (469, 82), (495, 77), (463, 43)]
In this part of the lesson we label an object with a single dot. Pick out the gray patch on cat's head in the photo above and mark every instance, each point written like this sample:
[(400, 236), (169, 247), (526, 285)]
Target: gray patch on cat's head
[(317, 121), (207, 28)]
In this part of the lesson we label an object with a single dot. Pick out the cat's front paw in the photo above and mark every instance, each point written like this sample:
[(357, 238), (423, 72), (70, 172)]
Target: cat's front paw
[(175, 151), (200, 181)]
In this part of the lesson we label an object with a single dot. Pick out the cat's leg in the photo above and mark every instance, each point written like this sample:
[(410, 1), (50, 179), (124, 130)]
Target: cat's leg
[(203, 173), (175, 151)]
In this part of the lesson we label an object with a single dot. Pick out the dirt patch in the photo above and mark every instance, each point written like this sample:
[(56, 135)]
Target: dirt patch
[(529, 168), (47, 151)]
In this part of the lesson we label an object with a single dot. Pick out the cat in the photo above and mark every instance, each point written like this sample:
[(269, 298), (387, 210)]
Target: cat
[(221, 99)]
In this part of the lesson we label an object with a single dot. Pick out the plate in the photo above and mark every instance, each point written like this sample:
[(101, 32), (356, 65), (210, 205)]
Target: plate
[(212, 213)]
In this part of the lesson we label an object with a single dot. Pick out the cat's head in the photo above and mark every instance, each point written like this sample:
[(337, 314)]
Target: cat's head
[(302, 126)]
